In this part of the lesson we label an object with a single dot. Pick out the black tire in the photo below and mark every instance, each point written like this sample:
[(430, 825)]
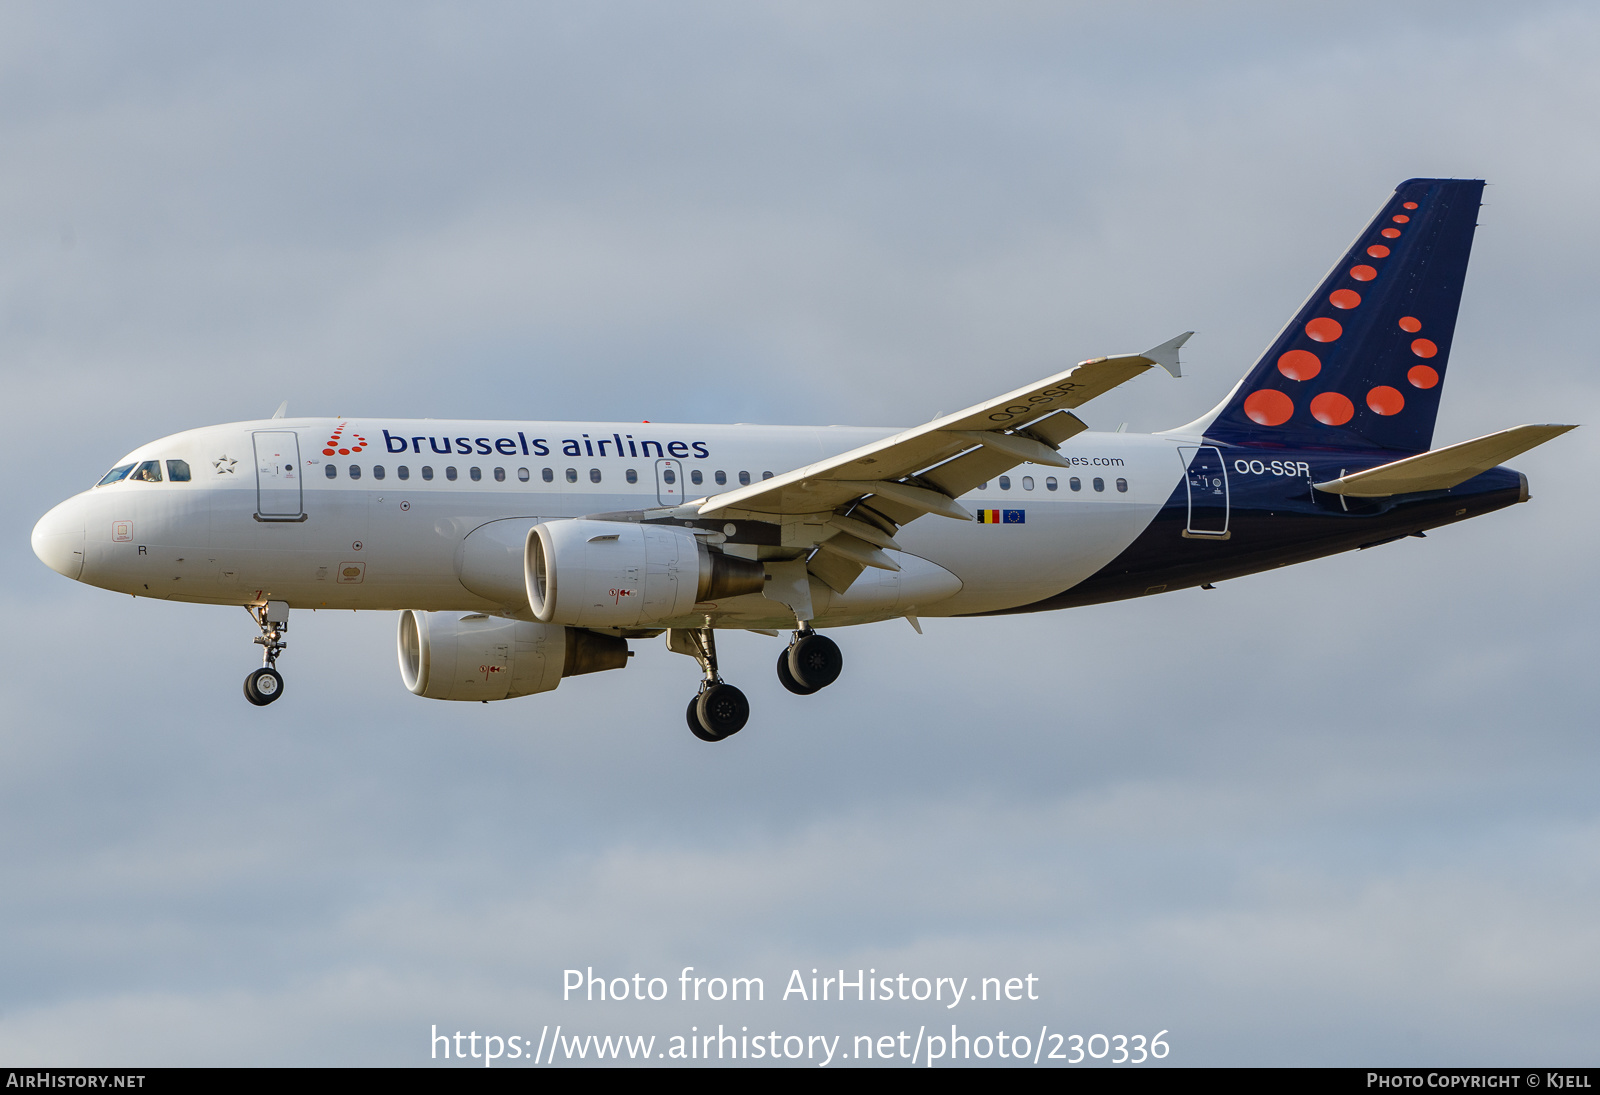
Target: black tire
[(722, 711), (815, 661), (694, 722), (786, 678), (263, 686)]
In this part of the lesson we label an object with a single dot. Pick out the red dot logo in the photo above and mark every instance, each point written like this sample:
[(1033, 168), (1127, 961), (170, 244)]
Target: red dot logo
[(344, 452), (327, 452), (1386, 400), (1378, 251), (1363, 273), (1422, 376), (1269, 407), (1344, 298), (1423, 348), (1390, 233), (1409, 205), (1299, 365), (1324, 329), (1410, 324), (1332, 409), (1401, 218)]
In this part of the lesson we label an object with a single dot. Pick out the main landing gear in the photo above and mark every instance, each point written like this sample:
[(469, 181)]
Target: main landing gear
[(809, 663), (719, 710), (266, 684)]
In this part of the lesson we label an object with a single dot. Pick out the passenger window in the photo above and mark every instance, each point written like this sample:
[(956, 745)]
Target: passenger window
[(697, 477), (766, 475), (572, 475), (547, 475), (1005, 482), (148, 472), (450, 473), (1027, 482), (1050, 482), (355, 471), (377, 471), (522, 474), (632, 475), (721, 478), (116, 475), (1122, 485), (331, 471), (499, 475), (178, 471), (744, 479), (1075, 483), (403, 472), (594, 475), (983, 486), (1099, 484), (669, 476), (427, 472), (476, 473)]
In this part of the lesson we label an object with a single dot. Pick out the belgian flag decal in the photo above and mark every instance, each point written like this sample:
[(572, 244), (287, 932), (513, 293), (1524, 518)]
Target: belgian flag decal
[(1002, 517)]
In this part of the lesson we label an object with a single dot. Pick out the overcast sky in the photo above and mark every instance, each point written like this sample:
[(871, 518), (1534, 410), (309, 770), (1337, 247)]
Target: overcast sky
[(1342, 813)]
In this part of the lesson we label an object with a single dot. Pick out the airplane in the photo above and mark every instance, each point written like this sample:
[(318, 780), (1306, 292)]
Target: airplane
[(518, 553)]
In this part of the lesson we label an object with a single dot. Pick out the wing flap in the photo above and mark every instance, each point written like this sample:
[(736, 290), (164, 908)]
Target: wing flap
[(1443, 468), (956, 477)]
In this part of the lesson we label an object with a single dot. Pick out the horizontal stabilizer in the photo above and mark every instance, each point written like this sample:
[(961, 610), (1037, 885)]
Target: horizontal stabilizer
[(1443, 468)]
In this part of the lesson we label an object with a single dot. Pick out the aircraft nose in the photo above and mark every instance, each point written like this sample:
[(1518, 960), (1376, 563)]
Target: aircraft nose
[(58, 539)]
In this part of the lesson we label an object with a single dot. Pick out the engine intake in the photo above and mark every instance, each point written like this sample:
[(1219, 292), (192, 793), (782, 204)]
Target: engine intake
[(455, 656), (614, 574)]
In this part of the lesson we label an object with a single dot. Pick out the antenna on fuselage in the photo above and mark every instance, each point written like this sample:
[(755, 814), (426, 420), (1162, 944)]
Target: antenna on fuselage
[(283, 409)]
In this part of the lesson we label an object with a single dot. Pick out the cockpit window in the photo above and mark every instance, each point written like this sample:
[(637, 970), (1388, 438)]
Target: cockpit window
[(178, 471), (116, 474), (147, 472)]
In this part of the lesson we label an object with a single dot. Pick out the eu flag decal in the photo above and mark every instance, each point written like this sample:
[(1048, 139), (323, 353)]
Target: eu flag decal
[(1002, 517)]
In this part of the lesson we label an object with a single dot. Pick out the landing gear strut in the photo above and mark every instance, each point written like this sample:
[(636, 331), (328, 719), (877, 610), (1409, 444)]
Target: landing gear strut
[(719, 710), (266, 684), (810, 663)]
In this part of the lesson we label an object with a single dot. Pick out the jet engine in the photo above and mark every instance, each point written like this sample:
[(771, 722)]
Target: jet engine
[(457, 656), (614, 574)]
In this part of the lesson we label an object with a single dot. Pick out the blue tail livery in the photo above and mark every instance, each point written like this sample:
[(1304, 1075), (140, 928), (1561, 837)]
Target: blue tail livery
[(1362, 364)]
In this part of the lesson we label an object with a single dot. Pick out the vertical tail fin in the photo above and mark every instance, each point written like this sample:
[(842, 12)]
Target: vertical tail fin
[(1363, 363)]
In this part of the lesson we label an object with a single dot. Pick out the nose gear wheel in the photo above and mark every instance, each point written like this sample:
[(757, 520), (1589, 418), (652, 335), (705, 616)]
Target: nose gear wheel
[(263, 686)]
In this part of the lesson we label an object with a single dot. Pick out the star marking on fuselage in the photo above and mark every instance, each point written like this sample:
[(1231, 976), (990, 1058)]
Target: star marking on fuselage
[(224, 465)]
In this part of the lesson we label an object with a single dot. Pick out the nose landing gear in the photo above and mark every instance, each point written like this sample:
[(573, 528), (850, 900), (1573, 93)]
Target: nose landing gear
[(719, 710), (266, 684)]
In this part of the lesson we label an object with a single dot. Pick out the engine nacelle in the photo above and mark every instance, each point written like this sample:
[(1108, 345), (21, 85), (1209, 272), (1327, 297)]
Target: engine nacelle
[(456, 656), (616, 574)]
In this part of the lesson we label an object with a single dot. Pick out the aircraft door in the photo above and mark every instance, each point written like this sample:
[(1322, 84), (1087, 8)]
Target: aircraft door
[(1207, 482), (669, 482), (278, 471)]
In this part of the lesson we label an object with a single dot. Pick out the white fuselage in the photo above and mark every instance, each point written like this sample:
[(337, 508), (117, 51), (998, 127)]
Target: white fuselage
[(427, 514)]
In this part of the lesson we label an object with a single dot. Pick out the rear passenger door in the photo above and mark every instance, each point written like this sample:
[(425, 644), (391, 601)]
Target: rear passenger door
[(1207, 479)]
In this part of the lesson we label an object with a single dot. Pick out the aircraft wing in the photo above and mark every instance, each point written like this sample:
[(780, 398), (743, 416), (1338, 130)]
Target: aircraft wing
[(851, 504), (1443, 468)]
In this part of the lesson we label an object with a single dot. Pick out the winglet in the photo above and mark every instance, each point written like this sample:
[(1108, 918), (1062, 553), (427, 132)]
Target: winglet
[(1166, 354)]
